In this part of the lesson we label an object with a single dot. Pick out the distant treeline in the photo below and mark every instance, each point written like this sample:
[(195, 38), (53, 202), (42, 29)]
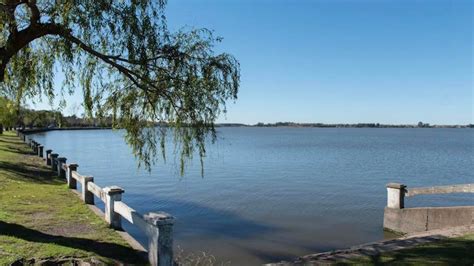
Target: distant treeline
[(54, 119), (14, 116), (358, 125)]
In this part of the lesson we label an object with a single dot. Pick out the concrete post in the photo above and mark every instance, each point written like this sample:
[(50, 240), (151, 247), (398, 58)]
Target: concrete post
[(87, 196), (40, 151), (112, 194), (60, 170), (160, 238), (54, 163), (71, 182), (48, 158), (396, 196)]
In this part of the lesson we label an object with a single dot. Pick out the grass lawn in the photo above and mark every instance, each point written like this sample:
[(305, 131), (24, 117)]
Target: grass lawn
[(41, 220)]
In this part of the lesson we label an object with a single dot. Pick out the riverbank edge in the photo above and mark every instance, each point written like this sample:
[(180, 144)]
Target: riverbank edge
[(16, 148), (125, 236), (358, 253)]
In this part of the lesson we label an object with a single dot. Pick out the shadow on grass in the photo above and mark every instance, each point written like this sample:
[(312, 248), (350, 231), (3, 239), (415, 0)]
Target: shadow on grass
[(7, 148), (109, 250), (28, 173), (14, 144), (446, 252), (12, 137)]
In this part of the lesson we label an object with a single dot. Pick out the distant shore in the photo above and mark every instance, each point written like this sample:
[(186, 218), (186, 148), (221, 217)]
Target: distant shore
[(38, 130), (358, 125), (279, 124)]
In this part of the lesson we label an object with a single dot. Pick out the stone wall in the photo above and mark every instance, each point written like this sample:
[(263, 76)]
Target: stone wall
[(412, 220)]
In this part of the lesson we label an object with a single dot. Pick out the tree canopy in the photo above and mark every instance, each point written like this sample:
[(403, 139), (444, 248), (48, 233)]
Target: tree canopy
[(7, 113), (127, 64), (12, 116)]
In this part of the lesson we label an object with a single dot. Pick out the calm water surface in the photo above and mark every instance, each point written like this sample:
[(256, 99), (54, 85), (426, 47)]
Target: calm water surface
[(274, 193)]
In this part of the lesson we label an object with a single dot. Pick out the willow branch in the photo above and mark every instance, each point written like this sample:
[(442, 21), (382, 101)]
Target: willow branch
[(34, 31), (35, 13)]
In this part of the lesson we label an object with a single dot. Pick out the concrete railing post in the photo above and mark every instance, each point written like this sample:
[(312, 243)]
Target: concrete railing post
[(40, 151), (71, 182), (48, 158), (112, 194), (87, 196), (160, 238), (396, 196), (60, 170), (54, 163)]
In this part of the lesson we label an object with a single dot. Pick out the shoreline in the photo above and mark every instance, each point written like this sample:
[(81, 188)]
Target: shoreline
[(364, 253), (40, 130), (43, 222)]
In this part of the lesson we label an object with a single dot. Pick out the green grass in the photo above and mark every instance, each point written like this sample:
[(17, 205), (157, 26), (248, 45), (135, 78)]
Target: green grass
[(451, 251), (41, 219)]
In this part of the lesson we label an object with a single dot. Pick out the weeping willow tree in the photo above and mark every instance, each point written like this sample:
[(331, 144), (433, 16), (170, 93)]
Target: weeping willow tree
[(127, 64), (7, 114)]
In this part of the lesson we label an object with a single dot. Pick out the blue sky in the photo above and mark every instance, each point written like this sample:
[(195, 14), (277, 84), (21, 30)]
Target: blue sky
[(343, 61)]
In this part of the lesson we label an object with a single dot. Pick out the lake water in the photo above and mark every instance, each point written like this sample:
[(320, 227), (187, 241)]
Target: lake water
[(270, 194)]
